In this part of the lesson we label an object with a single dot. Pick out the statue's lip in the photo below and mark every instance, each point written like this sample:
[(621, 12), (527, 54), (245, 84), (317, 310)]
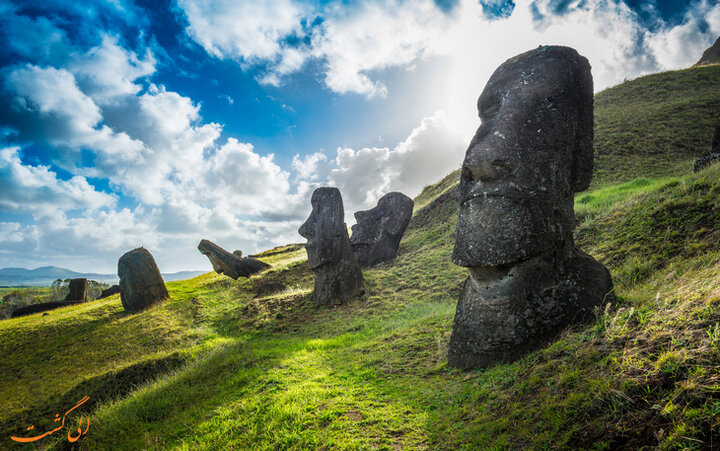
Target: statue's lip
[(505, 193)]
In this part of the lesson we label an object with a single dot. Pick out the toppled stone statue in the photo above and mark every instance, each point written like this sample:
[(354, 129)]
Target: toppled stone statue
[(78, 290), (376, 236), (115, 289), (40, 307), (223, 262), (533, 150), (338, 277), (141, 284), (711, 157)]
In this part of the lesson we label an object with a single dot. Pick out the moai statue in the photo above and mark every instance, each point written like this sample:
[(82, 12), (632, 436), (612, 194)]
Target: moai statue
[(376, 236), (338, 278), (711, 157), (78, 290), (232, 265), (533, 150), (141, 284)]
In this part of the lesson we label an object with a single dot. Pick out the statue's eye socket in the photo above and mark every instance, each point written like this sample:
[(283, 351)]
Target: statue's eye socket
[(490, 108), (466, 174)]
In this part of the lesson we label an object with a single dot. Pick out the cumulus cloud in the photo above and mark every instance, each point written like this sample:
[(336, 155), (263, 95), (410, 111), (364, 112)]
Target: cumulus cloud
[(356, 44), (37, 190), (245, 30), (310, 166), (375, 37), (49, 106), (107, 71), (682, 45), (431, 151)]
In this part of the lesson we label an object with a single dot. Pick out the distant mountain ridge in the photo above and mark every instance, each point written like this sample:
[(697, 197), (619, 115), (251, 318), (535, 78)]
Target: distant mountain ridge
[(45, 275)]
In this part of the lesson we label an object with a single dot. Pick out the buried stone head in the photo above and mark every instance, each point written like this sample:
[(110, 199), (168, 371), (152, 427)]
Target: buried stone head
[(531, 153)]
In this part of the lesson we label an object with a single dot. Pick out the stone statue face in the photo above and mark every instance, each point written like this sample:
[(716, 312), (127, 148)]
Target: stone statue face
[(324, 228), (385, 221), (531, 153)]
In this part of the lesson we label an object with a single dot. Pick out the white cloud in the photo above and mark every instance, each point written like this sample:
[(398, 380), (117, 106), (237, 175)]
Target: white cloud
[(53, 91), (246, 30), (108, 71), (67, 116), (682, 45), (357, 43), (431, 151), (37, 190), (9, 232), (376, 36), (244, 180), (309, 167)]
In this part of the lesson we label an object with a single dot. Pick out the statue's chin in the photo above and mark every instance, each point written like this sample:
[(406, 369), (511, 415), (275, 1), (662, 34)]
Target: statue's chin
[(499, 231)]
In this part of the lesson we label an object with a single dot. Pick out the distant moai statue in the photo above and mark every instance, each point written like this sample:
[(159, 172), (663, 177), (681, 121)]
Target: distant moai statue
[(338, 278), (533, 150), (141, 284), (376, 236), (711, 157), (78, 290)]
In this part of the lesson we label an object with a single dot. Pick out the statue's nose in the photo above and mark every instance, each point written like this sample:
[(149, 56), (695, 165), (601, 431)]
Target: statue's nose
[(488, 164)]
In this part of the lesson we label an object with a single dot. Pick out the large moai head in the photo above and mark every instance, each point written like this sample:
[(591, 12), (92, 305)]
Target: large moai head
[(527, 280), (141, 284), (531, 153), (376, 236), (324, 228)]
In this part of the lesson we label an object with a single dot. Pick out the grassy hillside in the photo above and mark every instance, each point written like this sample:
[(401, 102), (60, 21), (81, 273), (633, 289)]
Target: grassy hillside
[(215, 367), (655, 125)]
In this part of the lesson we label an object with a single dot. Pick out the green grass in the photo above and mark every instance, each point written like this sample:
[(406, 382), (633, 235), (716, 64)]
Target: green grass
[(656, 125), (215, 367)]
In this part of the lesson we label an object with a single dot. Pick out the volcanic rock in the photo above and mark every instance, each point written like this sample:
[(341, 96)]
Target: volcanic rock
[(376, 236), (533, 150)]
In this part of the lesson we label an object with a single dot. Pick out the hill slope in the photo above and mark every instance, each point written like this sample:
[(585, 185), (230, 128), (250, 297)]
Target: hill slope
[(215, 367), (655, 125)]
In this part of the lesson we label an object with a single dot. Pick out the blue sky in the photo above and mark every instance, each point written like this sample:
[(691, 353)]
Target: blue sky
[(159, 123)]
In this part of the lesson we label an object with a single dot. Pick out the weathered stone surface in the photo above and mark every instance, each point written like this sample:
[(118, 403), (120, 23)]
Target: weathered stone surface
[(223, 262), (711, 157), (338, 278), (237, 253), (141, 284), (376, 236), (533, 150), (115, 289), (269, 288), (78, 290)]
